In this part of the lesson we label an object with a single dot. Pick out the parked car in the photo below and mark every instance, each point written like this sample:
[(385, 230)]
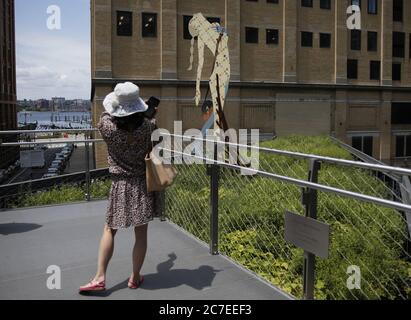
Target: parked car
[(49, 175), (57, 163), (55, 171), (61, 156), (66, 152), (69, 146)]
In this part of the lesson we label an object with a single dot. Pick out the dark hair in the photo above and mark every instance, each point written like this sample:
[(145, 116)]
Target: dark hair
[(130, 123)]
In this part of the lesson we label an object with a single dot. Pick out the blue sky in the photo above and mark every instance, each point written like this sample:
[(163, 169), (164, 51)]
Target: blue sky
[(53, 62)]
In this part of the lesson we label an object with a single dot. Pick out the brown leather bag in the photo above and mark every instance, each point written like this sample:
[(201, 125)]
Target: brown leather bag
[(158, 175)]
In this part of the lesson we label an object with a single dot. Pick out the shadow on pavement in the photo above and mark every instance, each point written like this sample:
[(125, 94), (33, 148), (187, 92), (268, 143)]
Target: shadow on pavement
[(167, 278), (11, 228)]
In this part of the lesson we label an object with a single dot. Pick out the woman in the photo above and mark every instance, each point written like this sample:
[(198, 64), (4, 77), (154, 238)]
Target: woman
[(128, 137)]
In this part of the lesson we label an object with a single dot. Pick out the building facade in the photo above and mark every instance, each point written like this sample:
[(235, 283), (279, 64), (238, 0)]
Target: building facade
[(8, 106), (296, 68)]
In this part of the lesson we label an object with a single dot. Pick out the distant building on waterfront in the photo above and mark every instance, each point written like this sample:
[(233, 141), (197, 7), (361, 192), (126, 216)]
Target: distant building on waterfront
[(8, 108), (43, 105), (54, 105), (58, 104)]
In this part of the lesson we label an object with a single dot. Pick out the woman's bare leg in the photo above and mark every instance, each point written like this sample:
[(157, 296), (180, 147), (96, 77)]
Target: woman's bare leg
[(105, 252), (139, 251)]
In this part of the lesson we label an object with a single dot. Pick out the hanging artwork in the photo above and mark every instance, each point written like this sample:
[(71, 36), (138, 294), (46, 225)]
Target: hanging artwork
[(215, 38)]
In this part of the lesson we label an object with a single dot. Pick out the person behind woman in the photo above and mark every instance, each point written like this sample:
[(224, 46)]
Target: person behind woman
[(128, 137)]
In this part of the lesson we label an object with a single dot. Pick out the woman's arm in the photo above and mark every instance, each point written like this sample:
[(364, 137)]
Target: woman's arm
[(106, 125)]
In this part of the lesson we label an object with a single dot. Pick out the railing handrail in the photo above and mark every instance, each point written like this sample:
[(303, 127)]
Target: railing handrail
[(16, 144), (62, 176), (344, 162), (358, 164), (304, 183), (7, 132)]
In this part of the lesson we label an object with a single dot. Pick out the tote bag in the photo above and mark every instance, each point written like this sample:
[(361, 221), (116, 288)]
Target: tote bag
[(158, 175)]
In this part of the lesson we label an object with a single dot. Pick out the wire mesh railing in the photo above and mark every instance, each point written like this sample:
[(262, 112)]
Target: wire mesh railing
[(242, 216), (367, 235), (74, 177)]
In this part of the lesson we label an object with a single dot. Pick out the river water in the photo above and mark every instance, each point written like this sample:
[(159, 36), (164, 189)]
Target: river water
[(58, 119)]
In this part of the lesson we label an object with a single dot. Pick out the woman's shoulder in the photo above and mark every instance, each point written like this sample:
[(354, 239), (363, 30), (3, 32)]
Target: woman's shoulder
[(106, 124), (105, 116)]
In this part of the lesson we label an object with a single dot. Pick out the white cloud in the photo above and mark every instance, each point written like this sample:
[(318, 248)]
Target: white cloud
[(52, 65)]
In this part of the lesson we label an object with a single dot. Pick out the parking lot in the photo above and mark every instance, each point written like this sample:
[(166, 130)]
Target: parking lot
[(58, 159)]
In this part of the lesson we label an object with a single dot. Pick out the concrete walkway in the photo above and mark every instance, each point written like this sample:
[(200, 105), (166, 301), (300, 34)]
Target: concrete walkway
[(177, 266)]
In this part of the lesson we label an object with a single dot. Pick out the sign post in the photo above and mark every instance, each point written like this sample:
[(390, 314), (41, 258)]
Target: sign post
[(307, 233)]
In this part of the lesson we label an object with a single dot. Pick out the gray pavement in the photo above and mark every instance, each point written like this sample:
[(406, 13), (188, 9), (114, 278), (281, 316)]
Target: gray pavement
[(177, 266)]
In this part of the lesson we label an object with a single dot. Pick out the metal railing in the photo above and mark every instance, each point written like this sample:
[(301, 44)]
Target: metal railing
[(12, 193), (242, 217), (246, 220)]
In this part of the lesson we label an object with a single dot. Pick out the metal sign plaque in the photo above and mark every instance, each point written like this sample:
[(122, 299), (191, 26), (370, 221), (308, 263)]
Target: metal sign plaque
[(307, 233)]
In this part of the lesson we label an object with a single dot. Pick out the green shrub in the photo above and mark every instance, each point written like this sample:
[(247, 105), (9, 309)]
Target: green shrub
[(99, 189), (251, 220)]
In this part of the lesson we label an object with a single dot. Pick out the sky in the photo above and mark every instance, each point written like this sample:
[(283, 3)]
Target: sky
[(52, 63)]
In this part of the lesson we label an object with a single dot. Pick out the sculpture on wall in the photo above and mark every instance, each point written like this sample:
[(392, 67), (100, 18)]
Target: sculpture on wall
[(215, 38)]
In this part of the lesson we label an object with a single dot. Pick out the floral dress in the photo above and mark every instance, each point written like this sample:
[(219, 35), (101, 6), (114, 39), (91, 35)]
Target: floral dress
[(129, 204)]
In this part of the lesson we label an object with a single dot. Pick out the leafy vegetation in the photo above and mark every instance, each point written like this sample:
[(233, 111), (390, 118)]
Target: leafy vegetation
[(251, 223), (63, 194)]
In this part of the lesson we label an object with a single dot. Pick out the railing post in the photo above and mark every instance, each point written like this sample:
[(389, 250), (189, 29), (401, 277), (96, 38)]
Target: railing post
[(309, 200), (162, 196), (87, 150), (214, 174)]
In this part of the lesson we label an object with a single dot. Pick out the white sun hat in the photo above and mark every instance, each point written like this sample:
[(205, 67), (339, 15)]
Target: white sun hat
[(124, 100)]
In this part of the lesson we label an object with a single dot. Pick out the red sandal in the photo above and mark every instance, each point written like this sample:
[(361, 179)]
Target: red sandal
[(134, 285), (93, 286)]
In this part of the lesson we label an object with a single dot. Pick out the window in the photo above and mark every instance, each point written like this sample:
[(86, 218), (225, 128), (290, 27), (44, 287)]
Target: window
[(401, 113), (272, 1), (352, 69), (375, 67), (213, 20), (355, 39), (149, 25), (403, 146), (325, 4), (373, 6), (251, 35), (398, 8), (306, 39), (363, 143), (307, 3), (325, 40), (356, 3), (396, 71), (124, 23), (186, 32), (398, 44), (372, 42), (272, 36)]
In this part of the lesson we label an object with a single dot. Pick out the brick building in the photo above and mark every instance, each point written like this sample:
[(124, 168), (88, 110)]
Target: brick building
[(295, 66), (8, 108)]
